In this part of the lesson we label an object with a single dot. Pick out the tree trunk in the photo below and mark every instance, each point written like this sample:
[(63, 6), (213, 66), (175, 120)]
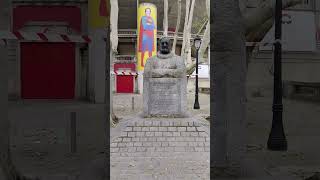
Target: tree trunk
[(206, 37), (165, 19), (186, 18), (188, 34), (114, 25), (177, 27), (228, 55)]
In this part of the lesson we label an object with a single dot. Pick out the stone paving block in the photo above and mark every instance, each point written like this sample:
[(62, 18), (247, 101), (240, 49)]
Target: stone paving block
[(184, 124), (146, 144), (182, 128), (121, 144), (119, 139), (203, 134), (113, 144), (178, 144), (113, 150), (131, 134), (169, 149), (140, 134), (139, 123), (123, 149), (145, 129), (201, 129), (194, 134), (167, 134), (200, 139), (148, 123), (128, 129), (132, 149), (172, 128), (129, 144), (179, 149), (163, 129), (161, 149), (207, 144), (189, 149), (156, 144), (161, 139), (207, 149), (126, 139), (157, 133), (192, 144), (165, 123), (199, 149), (154, 128), (191, 128), (136, 128), (164, 143), (142, 139), (200, 144), (156, 123), (177, 123), (208, 139), (151, 149), (141, 149), (171, 139), (190, 124), (176, 133), (124, 134), (135, 139), (149, 133), (185, 133), (137, 144), (152, 139)]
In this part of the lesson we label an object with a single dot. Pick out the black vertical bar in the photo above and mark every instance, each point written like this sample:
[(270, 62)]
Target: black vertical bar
[(73, 134), (277, 140)]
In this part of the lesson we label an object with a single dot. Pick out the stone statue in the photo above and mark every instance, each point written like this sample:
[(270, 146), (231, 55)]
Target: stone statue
[(165, 84), (165, 64)]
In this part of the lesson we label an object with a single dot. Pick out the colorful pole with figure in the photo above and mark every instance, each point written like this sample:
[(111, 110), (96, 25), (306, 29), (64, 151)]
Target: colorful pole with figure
[(147, 37)]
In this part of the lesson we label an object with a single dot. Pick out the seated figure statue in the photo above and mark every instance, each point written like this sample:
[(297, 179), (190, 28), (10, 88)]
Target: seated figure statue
[(165, 84), (165, 64)]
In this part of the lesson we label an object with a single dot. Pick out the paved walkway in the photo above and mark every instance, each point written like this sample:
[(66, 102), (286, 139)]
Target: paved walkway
[(168, 149)]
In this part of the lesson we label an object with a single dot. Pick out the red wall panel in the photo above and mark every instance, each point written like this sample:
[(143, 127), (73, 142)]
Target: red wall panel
[(47, 70), (125, 84), (23, 14)]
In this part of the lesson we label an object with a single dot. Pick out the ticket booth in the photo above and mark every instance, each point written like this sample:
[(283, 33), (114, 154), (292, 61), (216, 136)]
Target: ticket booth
[(125, 74)]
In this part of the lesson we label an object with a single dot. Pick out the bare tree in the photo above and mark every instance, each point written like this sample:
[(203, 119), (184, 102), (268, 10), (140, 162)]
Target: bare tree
[(229, 79), (165, 19), (185, 27), (114, 16), (177, 27)]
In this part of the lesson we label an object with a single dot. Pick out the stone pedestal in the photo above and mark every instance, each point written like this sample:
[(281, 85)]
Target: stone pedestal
[(164, 97)]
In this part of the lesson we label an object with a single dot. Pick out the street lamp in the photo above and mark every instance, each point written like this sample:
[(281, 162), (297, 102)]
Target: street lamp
[(197, 44), (277, 139)]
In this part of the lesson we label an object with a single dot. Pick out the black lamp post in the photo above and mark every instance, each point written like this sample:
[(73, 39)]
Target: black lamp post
[(197, 44), (277, 139)]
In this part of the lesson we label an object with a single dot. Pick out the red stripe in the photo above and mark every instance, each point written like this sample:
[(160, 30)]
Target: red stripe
[(65, 37), (18, 35), (86, 38), (42, 36)]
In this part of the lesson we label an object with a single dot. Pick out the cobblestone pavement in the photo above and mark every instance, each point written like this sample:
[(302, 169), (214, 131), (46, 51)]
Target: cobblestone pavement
[(160, 149)]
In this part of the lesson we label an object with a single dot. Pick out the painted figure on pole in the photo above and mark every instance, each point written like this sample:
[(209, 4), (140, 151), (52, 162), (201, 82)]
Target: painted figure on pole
[(146, 33)]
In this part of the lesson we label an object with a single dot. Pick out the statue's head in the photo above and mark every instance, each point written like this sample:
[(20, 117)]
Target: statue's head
[(164, 45)]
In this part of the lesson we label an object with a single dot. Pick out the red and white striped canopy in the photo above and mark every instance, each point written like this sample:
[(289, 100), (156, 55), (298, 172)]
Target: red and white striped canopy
[(44, 37), (125, 73)]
